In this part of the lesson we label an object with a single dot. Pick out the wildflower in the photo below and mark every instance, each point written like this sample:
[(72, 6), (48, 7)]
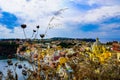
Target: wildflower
[(37, 26), (42, 35), (34, 74), (24, 26), (9, 61), (62, 60), (97, 71), (19, 66), (24, 72)]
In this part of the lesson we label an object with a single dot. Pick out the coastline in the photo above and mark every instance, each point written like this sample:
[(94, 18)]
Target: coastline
[(105, 40)]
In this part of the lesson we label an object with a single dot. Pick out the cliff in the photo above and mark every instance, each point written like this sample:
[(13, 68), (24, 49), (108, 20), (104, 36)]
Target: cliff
[(7, 48)]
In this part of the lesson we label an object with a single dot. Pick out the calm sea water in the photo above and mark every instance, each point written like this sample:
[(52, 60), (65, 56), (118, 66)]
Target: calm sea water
[(104, 40), (3, 68)]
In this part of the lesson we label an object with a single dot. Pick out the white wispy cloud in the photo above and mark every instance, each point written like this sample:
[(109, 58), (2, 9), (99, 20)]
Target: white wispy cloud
[(40, 12), (102, 13), (4, 31), (4, 28), (104, 2), (33, 10), (97, 2), (109, 27), (95, 15), (32, 13)]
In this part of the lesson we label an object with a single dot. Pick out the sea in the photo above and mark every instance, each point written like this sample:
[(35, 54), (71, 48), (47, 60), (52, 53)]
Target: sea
[(4, 67), (104, 40)]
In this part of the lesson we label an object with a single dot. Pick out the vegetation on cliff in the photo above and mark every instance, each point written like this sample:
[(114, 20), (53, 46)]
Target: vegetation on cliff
[(7, 48)]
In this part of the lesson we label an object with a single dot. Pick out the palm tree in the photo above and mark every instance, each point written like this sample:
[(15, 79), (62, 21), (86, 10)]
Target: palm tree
[(23, 26)]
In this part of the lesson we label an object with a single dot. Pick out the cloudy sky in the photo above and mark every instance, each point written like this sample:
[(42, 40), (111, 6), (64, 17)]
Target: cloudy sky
[(65, 18)]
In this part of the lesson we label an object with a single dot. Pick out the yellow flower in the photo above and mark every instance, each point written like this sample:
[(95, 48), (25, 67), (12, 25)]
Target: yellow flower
[(103, 48), (97, 71), (106, 55), (59, 47), (62, 60), (28, 51), (58, 68), (95, 59), (87, 48), (91, 55), (101, 59), (118, 57)]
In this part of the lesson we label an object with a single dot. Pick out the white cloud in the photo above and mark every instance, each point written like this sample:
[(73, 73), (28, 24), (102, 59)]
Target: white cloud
[(97, 15), (109, 27), (103, 12), (33, 10), (32, 13), (97, 2), (39, 12), (4, 28), (104, 2), (4, 31)]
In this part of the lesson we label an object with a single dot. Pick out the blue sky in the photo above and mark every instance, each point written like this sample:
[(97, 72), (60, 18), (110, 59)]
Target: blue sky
[(66, 18), (8, 19)]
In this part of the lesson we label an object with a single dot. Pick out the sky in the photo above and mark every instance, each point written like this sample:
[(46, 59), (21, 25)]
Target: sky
[(63, 18)]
